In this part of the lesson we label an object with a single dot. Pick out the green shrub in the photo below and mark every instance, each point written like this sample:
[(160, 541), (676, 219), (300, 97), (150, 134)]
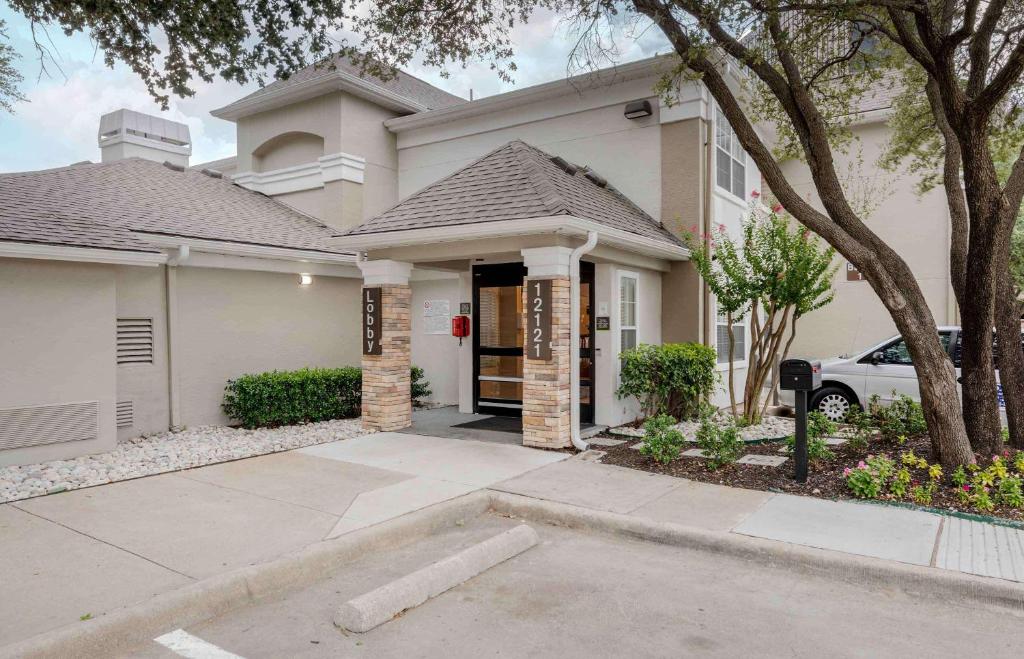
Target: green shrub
[(900, 419), (420, 387), (662, 440), (721, 444), (674, 378), (819, 426), (283, 398), (863, 428)]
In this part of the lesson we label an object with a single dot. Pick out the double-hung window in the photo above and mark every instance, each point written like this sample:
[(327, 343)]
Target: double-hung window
[(739, 336), (627, 311), (730, 159)]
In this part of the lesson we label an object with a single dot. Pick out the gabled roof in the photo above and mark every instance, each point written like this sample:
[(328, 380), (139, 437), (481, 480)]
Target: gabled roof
[(403, 92), (115, 205), (517, 181)]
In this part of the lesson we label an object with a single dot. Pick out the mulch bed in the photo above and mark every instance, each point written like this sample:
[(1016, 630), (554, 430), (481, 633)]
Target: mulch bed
[(825, 478)]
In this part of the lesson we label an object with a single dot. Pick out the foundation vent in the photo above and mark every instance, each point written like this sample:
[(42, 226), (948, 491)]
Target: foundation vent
[(49, 424), (125, 414), (134, 341)]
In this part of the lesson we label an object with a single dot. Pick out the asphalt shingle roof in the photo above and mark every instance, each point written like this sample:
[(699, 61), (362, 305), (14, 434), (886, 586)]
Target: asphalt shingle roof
[(403, 84), (102, 205), (515, 181)]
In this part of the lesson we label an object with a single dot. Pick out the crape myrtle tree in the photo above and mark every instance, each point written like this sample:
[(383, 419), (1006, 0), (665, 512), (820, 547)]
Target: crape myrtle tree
[(796, 73), (772, 274)]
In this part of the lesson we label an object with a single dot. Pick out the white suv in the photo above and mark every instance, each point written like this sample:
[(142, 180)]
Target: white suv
[(881, 370)]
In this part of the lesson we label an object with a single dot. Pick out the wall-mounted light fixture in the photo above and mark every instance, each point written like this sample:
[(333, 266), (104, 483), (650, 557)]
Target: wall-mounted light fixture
[(638, 109), (305, 279)]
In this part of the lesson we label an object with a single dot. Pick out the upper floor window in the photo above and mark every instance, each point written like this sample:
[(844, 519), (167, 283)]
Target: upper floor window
[(730, 159)]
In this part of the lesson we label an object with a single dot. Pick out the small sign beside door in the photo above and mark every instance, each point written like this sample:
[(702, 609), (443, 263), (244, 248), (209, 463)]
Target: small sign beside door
[(371, 321), (603, 323), (538, 319)]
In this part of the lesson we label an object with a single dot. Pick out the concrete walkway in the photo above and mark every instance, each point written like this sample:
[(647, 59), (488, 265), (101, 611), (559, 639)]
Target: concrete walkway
[(908, 536), (88, 551)]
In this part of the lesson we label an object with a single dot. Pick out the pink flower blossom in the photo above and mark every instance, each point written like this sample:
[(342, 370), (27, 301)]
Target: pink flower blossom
[(721, 227), (755, 194), (967, 488), (847, 472), (776, 208), (861, 465)]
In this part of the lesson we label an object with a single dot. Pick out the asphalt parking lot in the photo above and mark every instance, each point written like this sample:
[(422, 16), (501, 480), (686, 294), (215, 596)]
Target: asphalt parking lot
[(583, 594)]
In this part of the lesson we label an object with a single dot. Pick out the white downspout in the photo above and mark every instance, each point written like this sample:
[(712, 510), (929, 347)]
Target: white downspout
[(574, 340), (176, 257)]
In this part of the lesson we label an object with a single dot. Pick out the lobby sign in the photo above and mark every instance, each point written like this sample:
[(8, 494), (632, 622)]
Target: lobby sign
[(371, 321), (538, 319)]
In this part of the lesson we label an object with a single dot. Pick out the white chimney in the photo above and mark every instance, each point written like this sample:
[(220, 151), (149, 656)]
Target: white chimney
[(130, 134)]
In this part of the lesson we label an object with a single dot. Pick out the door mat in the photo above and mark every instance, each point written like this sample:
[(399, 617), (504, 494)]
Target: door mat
[(495, 423)]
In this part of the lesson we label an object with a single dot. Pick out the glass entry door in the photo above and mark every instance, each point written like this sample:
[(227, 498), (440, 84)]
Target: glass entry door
[(498, 338)]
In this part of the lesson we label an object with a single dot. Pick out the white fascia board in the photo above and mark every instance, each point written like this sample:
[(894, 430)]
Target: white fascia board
[(261, 264), (556, 224), (646, 67), (330, 81), (80, 254), (245, 249), (307, 176)]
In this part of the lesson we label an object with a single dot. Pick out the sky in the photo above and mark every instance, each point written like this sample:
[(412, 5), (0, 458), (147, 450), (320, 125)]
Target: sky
[(57, 124)]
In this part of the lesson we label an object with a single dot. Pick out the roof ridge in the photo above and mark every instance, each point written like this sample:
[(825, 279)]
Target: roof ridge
[(541, 183), (431, 185)]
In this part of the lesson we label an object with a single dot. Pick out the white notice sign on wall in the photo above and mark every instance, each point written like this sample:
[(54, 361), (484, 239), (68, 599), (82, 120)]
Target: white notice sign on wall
[(437, 316)]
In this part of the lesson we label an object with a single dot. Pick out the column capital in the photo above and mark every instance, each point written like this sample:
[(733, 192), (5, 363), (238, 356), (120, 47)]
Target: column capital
[(550, 261), (385, 271)]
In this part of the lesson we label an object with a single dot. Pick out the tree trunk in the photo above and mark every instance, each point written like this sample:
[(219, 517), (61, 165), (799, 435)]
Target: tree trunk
[(732, 369), (1011, 359)]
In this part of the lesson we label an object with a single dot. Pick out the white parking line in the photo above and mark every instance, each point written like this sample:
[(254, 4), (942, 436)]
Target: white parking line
[(182, 643)]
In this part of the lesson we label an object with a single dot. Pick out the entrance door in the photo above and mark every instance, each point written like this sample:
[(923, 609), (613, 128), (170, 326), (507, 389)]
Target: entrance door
[(498, 339)]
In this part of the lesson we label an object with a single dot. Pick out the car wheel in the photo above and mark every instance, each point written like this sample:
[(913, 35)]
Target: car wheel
[(833, 402)]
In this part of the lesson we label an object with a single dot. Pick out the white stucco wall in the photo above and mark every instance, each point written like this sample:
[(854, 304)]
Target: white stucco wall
[(234, 322), (58, 346), (141, 294), (611, 410), (916, 227), (585, 128), (437, 354)]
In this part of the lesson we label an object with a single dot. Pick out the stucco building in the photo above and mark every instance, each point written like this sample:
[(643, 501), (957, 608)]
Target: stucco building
[(136, 287)]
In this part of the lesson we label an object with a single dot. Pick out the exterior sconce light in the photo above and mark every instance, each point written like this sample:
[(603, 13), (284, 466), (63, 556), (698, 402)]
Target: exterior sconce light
[(638, 109), (305, 279)]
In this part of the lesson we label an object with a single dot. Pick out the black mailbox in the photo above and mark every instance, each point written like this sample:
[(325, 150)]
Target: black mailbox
[(799, 375)]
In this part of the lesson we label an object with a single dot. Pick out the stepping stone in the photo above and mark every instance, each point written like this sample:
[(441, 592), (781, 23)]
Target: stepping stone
[(694, 453), (636, 447), (762, 460), (604, 441), (835, 441), (625, 431)]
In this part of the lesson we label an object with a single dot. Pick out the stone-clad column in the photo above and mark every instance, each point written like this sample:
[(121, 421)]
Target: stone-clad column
[(546, 393), (387, 396)]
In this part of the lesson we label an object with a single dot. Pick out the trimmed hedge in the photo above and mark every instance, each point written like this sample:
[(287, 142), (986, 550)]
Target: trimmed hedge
[(284, 398), (673, 379)]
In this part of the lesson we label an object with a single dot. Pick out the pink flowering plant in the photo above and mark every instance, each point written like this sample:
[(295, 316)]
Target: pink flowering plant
[(769, 274)]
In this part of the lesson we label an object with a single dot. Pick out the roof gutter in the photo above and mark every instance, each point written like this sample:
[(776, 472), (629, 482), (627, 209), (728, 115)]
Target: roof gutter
[(246, 249), (48, 252), (555, 224)]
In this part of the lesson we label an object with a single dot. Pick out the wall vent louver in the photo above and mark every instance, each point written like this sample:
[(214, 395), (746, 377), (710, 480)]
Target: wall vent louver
[(125, 414), (134, 341), (49, 424)]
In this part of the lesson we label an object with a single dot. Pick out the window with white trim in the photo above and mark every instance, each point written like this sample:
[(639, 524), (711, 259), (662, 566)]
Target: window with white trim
[(627, 311), (739, 336), (730, 159)]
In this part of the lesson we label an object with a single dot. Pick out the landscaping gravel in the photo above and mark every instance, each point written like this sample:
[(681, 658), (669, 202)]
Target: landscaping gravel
[(771, 427), (166, 451)]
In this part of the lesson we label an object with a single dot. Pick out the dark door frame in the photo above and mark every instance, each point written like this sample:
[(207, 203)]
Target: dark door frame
[(513, 274), (484, 276)]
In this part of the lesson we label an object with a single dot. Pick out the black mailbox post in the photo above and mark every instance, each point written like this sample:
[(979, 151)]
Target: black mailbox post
[(801, 377)]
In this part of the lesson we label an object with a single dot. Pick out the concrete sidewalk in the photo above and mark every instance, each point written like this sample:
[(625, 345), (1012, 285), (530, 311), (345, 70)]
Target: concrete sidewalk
[(85, 552), (878, 531)]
